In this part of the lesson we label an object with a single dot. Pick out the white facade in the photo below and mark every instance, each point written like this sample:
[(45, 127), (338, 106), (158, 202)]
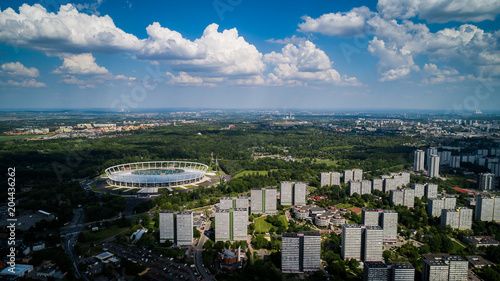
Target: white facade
[(351, 241), (434, 166), (419, 160)]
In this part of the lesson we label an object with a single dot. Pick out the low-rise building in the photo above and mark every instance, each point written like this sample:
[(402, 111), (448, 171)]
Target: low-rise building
[(480, 241)]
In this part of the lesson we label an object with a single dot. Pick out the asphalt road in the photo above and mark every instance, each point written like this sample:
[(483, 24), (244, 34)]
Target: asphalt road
[(198, 258), (70, 234)]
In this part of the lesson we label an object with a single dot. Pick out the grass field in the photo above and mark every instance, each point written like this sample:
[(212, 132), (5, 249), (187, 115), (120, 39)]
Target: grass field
[(348, 206), (246, 173), (456, 246), (327, 162), (262, 225), (103, 234), (21, 137)]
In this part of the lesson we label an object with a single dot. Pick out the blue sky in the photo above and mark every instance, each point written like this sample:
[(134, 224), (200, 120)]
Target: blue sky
[(250, 54)]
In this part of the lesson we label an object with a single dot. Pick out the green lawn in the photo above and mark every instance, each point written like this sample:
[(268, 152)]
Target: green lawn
[(456, 246), (246, 173), (103, 234), (327, 161), (262, 225), (346, 205)]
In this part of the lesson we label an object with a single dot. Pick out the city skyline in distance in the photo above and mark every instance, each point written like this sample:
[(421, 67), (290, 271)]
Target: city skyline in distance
[(222, 54)]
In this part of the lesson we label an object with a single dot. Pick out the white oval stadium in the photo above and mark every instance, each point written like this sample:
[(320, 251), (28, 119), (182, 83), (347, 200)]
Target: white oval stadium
[(156, 174)]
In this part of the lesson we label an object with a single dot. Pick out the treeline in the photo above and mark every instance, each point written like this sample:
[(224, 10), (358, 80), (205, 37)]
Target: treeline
[(63, 159), (104, 207)]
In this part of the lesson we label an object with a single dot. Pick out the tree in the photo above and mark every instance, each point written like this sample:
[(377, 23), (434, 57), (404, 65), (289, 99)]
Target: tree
[(425, 249), (259, 242), (196, 232), (387, 255)]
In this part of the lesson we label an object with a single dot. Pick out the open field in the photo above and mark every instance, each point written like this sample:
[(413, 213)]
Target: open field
[(346, 205), (103, 234), (327, 161), (262, 225), (246, 173)]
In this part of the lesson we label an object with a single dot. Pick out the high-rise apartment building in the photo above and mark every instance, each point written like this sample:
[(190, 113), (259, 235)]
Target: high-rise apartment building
[(408, 197), (177, 227), (370, 217), (292, 193), (419, 189), (450, 202), (357, 174), (376, 271), (227, 203), (419, 160), (465, 218), (434, 270), (378, 184), (396, 197), (231, 225), (402, 271), (431, 190), (263, 200), (389, 223), (390, 184), (348, 176), (392, 271), (372, 243), (351, 241), (330, 178), (354, 187), (455, 161), (386, 219), (433, 171), (435, 205), (444, 268), (488, 208), (486, 181), (362, 242), (430, 151), (366, 187), (301, 252), (450, 217)]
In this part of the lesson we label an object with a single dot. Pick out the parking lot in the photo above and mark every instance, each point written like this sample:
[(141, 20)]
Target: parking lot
[(160, 268)]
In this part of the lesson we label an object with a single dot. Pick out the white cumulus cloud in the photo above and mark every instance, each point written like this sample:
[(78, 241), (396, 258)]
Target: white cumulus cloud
[(227, 53), (346, 24), (440, 11), (185, 79), (393, 64), (27, 83), (68, 30), (80, 64), (166, 44), (18, 69), (304, 62)]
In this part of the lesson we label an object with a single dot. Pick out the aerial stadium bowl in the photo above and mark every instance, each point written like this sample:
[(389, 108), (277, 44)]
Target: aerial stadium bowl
[(157, 174)]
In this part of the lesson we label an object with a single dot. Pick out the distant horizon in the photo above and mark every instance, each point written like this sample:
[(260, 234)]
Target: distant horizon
[(281, 110)]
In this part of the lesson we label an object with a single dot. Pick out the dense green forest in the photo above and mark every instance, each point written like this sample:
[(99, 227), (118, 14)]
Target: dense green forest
[(63, 159)]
